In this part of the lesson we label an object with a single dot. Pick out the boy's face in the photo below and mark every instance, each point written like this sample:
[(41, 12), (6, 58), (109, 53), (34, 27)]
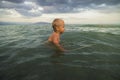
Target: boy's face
[(61, 29)]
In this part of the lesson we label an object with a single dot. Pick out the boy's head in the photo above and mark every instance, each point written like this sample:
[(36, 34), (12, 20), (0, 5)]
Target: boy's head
[(58, 25)]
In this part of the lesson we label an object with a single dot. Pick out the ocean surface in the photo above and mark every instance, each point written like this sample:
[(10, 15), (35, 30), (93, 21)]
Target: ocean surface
[(23, 55)]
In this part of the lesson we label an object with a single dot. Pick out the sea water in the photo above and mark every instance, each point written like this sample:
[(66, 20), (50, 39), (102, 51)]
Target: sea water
[(23, 55)]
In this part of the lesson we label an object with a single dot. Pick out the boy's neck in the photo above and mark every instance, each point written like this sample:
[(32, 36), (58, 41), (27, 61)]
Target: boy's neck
[(57, 33)]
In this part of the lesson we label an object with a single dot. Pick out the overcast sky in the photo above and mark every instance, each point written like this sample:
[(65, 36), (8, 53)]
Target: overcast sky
[(72, 11)]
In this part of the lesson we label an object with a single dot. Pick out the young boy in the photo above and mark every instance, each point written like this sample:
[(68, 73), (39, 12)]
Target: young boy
[(58, 29)]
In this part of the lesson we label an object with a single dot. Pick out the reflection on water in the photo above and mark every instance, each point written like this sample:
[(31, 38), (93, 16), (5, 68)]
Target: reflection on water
[(57, 54)]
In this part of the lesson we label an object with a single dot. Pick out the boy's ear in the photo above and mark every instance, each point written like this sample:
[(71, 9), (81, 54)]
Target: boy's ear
[(57, 28)]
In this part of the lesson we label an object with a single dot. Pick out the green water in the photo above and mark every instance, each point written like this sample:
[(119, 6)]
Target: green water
[(23, 56)]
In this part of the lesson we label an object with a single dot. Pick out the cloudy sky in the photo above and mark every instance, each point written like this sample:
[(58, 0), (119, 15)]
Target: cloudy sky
[(72, 11)]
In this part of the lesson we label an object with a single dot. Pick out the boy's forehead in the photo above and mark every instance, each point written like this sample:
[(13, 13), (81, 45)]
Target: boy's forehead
[(58, 20)]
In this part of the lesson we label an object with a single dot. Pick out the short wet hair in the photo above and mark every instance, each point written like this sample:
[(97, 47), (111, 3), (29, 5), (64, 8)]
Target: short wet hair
[(56, 23)]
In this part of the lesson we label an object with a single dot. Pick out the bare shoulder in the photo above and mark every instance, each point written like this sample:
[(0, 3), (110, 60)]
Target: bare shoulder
[(53, 37), (50, 37)]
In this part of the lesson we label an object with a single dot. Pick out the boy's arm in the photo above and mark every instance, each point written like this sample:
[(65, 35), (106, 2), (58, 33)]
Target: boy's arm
[(57, 45)]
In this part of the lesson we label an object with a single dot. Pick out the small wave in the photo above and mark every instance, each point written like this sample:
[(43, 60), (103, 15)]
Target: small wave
[(94, 29), (93, 66), (28, 59)]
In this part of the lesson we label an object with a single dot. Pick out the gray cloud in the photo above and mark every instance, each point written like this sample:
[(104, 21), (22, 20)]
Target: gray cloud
[(58, 6), (75, 3), (14, 1), (10, 5), (29, 9), (65, 6), (28, 13)]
